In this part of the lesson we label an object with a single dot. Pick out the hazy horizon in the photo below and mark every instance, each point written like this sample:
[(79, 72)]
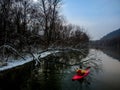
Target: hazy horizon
[(98, 17)]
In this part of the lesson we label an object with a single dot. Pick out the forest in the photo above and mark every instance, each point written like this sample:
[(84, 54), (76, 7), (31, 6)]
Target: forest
[(26, 26), (41, 49)]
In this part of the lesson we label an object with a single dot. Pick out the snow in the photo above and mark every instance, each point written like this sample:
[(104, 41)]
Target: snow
[(47, 53), (16, 63)]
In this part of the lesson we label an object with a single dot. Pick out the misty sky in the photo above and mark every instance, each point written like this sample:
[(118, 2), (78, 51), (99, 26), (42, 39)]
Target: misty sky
[(98, 17)]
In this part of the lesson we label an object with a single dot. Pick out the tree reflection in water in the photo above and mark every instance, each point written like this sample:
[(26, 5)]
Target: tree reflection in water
[(56, 70)]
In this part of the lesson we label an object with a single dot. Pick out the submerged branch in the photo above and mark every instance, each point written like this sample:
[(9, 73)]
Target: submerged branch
[(37, 61)]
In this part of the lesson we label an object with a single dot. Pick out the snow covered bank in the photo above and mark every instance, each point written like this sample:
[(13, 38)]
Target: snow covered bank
[(16, 63)]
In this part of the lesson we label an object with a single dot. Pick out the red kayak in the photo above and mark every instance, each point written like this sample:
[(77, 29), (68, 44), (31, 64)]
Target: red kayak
[(79, 77)]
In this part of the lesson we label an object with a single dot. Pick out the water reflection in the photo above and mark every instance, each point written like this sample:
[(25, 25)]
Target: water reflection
[(15, 78), (55, 73), (113, 52)]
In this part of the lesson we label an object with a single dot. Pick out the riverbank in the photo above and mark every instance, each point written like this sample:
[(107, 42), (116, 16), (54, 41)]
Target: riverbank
[(12, 64)]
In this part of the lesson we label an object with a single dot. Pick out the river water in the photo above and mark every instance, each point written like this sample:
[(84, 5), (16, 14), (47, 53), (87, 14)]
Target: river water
[(104, 75)]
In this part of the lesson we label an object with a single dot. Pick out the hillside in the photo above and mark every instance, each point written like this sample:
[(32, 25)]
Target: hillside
[(111, 40), (112, 35)]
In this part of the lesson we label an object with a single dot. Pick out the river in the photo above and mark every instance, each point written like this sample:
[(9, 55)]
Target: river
[(104, 75)]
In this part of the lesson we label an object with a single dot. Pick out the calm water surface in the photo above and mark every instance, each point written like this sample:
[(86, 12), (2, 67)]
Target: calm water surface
[(50, 76)]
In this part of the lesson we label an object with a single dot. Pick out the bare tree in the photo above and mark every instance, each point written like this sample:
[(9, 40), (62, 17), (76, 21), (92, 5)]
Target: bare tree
[(49, 12)]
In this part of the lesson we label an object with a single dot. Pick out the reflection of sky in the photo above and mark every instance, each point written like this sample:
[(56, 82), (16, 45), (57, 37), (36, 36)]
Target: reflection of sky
[(98, 17), (111, 70)]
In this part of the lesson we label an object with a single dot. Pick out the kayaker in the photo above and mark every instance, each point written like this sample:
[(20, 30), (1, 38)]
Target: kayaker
[(80, 71)]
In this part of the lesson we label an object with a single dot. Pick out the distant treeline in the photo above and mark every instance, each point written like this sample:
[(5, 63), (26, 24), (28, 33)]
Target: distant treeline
[(24, 23), (111, 40), (108, 43)]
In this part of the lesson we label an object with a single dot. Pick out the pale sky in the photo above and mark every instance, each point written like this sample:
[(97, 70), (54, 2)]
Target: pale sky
[(98, 17)]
